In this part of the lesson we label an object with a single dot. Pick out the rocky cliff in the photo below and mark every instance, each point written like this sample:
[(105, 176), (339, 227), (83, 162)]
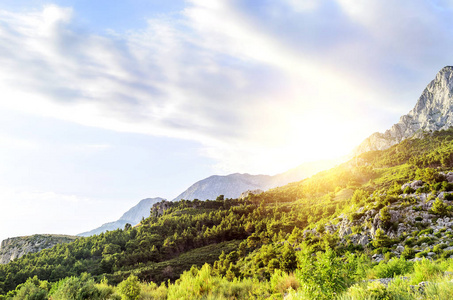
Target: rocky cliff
[(16, 247), (433, 111)]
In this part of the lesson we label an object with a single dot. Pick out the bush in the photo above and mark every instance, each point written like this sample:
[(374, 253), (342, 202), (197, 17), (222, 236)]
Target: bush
[(322, 277), (381, 239), (426, 231), (438, 249), (446, 186), (408, 190), (408, 253), (82, 287), (425, 270), (129, 289), (32, 289), (409, 242), (395, 266), (439, 207)]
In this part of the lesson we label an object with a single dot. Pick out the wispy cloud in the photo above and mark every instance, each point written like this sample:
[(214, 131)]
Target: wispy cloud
[(258, 84)]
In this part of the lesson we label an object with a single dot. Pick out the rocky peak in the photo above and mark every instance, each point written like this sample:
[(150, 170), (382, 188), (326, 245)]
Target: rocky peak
[(433, 111)]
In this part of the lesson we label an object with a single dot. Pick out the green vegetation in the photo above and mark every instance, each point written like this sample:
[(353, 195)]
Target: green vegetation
[(304, 240)]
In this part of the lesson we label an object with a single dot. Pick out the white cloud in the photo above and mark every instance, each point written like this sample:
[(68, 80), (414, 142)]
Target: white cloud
[(273, 82)]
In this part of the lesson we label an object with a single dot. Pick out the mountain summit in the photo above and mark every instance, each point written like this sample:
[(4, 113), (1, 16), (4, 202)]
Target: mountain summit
[(433, 111), (133, 216)]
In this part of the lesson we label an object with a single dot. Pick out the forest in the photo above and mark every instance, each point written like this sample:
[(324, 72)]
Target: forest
[(276, 245)]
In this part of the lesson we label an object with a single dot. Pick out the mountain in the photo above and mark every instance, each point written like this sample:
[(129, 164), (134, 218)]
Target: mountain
[(373, 217), (433, 111), (133, 216), (16, 247), (233, 185), (377, 226)]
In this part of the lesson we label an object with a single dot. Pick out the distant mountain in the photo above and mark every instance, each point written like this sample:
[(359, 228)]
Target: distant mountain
[(233, 185), (133, 216), (16, 247), (433, 111)]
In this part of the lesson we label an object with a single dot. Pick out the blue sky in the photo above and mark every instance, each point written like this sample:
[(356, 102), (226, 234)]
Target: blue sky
[(105, 103)]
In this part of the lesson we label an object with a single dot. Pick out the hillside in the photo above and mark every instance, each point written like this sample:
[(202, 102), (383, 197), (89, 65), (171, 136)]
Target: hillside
[(375, 227), (17, 247), (383, 205), (133, 216)]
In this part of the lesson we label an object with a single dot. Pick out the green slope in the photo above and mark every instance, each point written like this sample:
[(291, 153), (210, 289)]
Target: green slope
[(273, 231)]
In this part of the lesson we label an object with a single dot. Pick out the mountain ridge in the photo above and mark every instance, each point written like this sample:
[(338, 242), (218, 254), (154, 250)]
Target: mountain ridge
[(233, 185), (132, 216), (432, 112)]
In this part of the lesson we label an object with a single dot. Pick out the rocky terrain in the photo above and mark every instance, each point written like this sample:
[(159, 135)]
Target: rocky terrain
[(133, 216), (16, 247), (433, 111), (414, 224)]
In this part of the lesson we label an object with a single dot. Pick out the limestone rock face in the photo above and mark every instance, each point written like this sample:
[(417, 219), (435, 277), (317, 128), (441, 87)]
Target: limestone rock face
[(249, 192), (16, 247), (433, 111)]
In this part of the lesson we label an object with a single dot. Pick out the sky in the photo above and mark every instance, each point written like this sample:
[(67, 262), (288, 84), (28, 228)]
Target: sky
[(104, 103)]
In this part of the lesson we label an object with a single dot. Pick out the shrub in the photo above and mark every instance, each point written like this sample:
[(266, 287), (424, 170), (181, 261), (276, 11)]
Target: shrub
[(322, 277), (82, 287), (446, 186), (422, 254), (281, 282), (129, 289), (409, 242), (408, 253), (425, 270), (439, 207), (439, 248), (395, 266), (381, 239), (408, 190), (32, 289), (355, 216), (426, 231)]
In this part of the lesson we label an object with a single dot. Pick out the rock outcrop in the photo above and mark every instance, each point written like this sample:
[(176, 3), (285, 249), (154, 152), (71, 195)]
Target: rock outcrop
[(16, 247), (433, 111), (249, 192)]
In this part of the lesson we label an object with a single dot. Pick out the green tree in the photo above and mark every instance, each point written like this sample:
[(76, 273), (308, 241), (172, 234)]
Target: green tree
[(288, 258), (129, 289)]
